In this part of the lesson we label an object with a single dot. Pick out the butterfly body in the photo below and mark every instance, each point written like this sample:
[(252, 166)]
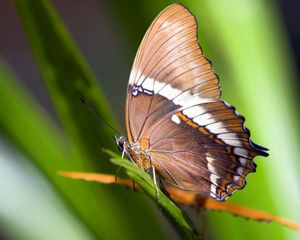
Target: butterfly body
[(135, 153), (176, 122)]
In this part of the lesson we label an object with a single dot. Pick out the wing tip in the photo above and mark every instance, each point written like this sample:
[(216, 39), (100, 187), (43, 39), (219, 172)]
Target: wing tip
[(262, 151)]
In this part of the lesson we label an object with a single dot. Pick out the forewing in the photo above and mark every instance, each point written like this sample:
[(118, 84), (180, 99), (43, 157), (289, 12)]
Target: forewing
[(169, 71)]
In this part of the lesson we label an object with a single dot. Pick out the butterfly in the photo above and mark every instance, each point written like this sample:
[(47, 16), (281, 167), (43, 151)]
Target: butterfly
[(177, 125)]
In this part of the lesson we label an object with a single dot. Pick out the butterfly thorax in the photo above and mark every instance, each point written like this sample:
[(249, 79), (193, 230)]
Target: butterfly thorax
[(135, 153)]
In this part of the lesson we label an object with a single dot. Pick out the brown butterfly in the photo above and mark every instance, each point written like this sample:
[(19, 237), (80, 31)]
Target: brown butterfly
[(177, 126)]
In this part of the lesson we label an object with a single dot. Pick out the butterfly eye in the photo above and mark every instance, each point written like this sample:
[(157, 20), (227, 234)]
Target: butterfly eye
[(120, 141)]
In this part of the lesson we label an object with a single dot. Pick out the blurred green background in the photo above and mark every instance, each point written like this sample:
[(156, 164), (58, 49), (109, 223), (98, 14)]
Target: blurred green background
[(43, 128)]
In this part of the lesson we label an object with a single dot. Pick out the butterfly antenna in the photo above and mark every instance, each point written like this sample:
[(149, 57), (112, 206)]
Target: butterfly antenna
[(96, 115)]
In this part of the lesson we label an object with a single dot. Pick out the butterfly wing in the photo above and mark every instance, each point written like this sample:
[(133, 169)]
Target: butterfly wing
[(196, 141), (168, 59), (204, 148)]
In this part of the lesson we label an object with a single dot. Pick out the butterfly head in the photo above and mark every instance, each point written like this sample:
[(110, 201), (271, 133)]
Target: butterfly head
[(138, 156), (121, 142)]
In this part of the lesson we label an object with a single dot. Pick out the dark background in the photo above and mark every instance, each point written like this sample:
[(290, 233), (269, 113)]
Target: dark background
[(290, 14)]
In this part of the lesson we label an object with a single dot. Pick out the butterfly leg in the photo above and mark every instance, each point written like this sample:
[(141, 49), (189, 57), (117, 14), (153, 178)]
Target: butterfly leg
[(155, 182), (123, 152)]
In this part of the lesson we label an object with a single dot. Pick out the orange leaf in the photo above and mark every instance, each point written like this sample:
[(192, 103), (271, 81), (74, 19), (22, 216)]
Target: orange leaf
[(190, 198)]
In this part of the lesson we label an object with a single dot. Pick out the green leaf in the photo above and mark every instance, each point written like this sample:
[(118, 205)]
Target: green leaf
[(146, 183)]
